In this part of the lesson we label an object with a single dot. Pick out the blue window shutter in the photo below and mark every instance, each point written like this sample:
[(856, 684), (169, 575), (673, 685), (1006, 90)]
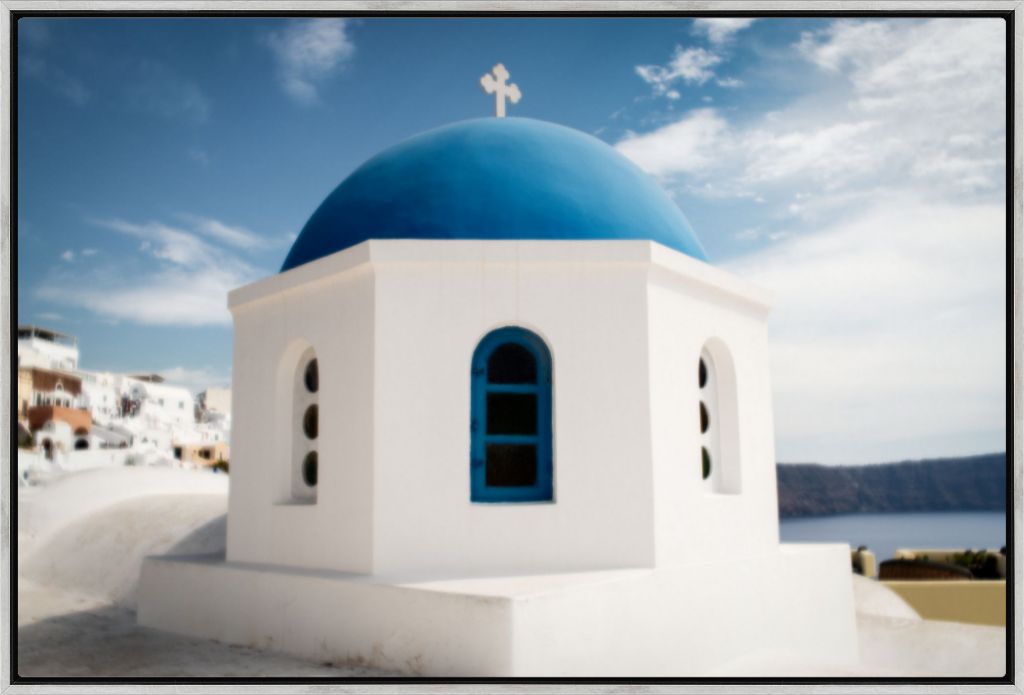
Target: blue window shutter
[(514, 458)]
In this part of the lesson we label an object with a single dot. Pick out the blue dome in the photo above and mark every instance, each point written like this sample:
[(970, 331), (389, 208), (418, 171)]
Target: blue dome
[(491, 178)]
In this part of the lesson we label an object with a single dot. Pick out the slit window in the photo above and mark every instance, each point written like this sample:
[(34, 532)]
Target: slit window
[(708, 431), (718, 440), (305, 428)]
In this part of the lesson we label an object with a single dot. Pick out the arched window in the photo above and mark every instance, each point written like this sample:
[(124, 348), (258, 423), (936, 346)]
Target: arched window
[(305, 427), (510, 426), (719, 424), (707, 381)]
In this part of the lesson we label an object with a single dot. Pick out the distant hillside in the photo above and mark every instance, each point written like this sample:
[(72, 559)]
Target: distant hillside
[(970, 483)]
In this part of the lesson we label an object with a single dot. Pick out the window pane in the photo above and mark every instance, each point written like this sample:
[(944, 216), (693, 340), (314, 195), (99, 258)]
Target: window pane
[(703, 418), (310, 422), (702, 374), (309, 469), (511, 413), (511, 363), (312, 377), (511, 465)]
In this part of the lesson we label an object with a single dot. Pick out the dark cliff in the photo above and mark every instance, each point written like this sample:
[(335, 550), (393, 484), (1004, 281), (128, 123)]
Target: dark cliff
[(970, 483)]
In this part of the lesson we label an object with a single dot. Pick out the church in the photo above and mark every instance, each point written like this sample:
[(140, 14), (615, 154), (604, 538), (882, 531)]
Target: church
[(498, 416)]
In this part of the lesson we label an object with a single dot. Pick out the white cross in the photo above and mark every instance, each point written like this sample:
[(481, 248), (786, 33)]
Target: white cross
[(497, 85)]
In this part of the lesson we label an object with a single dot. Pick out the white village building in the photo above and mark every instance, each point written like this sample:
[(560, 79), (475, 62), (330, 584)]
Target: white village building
[(498, 416), (41, 347), (215, 403), (101, 394)]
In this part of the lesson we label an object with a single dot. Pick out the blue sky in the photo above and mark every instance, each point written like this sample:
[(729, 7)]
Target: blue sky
[(853, 167)]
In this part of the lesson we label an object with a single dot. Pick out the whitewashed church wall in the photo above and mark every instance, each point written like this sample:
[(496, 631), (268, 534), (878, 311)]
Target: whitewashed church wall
[(267, 521), (700, 520), (394, 325), (431, 315)]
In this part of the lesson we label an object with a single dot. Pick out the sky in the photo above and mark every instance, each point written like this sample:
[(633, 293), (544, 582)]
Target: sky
[(853, 167)]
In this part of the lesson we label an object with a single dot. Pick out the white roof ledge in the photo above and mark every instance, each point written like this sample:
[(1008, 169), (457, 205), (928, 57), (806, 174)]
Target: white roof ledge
[(665, 262)]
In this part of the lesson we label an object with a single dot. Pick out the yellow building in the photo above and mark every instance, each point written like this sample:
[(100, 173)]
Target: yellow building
[(204, 454)]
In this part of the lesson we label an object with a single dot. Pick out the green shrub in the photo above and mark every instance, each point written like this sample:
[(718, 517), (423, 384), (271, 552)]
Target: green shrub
[(981, 564)]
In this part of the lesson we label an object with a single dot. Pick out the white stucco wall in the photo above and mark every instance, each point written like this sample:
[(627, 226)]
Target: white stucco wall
[(102, 401), (735, 512), (430, 317), (394, 325), (217, 399), (637, 568), (160, 402), (266, 522), (39, 352), (794, 605)]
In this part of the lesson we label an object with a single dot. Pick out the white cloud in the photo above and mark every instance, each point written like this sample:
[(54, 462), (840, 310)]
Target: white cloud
[(720, 30), (691, 65), (89, 252), (170, 297), (236, 236), (880, 226), (688, 145), (913, 103), (164, 242), (309, 51), (68, 256), (187, 285), (888, 333), (50, 316)]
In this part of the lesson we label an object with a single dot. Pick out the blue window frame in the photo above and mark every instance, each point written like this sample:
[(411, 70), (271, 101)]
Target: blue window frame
[(510, 418)]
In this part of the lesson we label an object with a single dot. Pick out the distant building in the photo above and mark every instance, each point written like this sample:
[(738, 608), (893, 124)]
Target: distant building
[(38, 386), (24, 393), (55, 436), (100, 394), (147, 395), (41, 347), (216, 400), (205, 454), (62, 408)]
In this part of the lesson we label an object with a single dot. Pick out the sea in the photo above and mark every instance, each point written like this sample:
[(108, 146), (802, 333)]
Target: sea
[(884, 533)]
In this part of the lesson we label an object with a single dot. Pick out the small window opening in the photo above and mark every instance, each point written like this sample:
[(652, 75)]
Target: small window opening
[(309, 469), (707, 437), (312, 377), (305, 424), (310, 424)]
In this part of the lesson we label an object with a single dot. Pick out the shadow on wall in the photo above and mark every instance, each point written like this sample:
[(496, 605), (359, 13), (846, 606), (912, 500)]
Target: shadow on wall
[(208, 539)]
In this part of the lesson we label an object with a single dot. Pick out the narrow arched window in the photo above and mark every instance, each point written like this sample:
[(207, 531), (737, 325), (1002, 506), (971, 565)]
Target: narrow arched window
[(719, 424), (510, 425), (707, 381), (305, 427)]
